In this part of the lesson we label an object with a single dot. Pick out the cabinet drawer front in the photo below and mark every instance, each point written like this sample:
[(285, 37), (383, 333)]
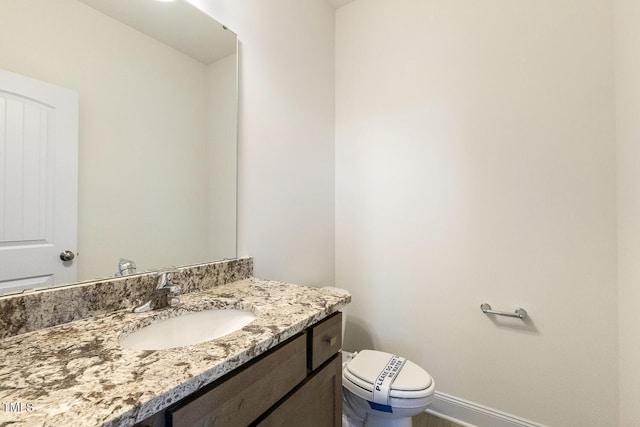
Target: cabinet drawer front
[(325, 340), (246, 395), (317, 403)]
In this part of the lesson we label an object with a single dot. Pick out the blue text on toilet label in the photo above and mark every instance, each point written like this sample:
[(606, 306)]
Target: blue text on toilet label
[(382, 387)]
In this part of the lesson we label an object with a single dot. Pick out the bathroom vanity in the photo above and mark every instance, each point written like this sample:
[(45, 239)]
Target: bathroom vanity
[(298, 382), (283, 366)]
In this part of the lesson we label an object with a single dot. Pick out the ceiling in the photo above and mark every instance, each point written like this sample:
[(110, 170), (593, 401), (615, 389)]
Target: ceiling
[(206, 40)]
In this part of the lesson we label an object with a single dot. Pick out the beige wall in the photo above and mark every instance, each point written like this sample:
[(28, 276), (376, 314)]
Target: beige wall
[(222, 111), (475, 162), (286, 132), (627, 25)]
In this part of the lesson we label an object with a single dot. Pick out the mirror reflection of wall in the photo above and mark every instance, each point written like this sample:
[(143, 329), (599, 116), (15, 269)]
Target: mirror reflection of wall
[(157, 145)]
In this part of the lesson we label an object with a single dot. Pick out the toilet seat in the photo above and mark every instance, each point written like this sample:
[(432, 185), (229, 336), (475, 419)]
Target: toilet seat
[(412, 387)]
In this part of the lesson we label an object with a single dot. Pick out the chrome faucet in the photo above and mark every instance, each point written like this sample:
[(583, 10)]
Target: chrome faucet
[(126, 267), (164, 294)]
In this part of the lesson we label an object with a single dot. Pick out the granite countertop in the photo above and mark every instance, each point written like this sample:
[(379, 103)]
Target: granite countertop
[(76, 374)]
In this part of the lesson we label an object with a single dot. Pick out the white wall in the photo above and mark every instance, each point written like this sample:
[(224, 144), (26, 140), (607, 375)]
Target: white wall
[(627, 24), (475, 162), (133, 117), (222, 112), (286, 129)]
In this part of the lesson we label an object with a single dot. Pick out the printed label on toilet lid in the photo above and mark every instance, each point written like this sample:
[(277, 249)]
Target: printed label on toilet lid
[(382, 387)]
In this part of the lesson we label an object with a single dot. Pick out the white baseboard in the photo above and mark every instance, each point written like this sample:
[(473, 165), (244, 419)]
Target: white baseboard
[(469, 414)]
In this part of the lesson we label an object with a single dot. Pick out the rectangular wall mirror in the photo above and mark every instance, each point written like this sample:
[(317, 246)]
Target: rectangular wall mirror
[(157, 91)]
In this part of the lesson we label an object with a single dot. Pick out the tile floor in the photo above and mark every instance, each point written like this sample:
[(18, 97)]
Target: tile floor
[(428, 420)]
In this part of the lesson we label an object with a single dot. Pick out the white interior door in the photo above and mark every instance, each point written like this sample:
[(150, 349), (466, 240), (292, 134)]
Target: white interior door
[(38, 183)]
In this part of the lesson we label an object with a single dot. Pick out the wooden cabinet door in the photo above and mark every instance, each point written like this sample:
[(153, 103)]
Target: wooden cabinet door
[(248, 393), (325, 340), (317, 403)]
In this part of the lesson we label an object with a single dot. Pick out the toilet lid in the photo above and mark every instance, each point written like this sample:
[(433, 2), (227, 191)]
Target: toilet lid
[(412, 382)]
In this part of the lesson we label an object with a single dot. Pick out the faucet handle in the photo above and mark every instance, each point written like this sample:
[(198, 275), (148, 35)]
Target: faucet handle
[(173, 289), (164, 293), (126, 267), (163, 279)]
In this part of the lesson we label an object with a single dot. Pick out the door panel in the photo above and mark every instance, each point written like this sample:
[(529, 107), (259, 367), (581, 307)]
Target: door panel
[(38, 182)]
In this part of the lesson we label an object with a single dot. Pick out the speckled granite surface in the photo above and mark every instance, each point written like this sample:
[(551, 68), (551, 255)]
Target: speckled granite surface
[(32, 311), (76, 374)]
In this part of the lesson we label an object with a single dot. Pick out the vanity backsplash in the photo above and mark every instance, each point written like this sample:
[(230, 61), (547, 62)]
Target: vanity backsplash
[(42, 309)]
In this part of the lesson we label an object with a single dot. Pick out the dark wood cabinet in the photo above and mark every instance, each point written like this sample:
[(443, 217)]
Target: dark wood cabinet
[(243, 397), (299, 382), (317, 403), (324, 340)]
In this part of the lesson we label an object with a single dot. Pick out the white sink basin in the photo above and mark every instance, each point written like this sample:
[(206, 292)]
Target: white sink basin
[(188, 329)]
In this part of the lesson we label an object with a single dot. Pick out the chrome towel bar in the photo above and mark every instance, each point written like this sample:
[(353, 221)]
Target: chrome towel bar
[(520, 313)]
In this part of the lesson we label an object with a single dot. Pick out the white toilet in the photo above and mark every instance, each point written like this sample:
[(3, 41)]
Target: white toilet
[(409, 394), (381, 389)]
